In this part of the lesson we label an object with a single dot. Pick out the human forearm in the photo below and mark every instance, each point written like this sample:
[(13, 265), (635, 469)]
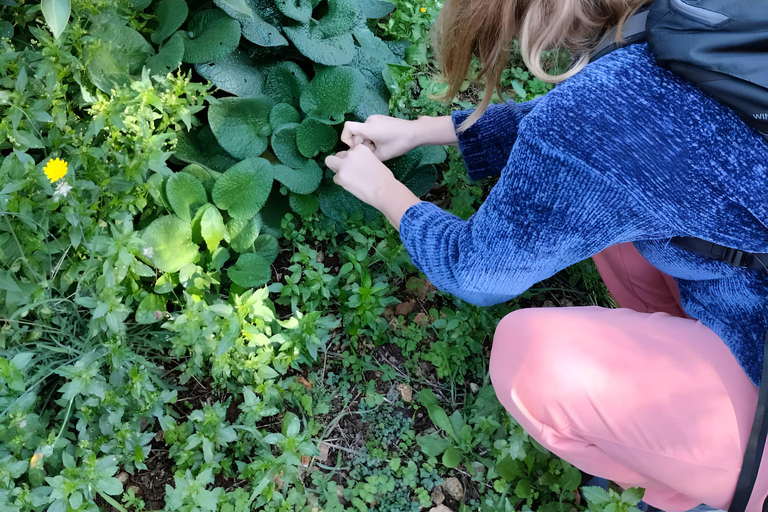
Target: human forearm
[(393, 200), (435, 131)]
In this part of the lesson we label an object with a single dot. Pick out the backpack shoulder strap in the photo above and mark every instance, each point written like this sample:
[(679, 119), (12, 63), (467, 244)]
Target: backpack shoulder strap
[(734, 257)]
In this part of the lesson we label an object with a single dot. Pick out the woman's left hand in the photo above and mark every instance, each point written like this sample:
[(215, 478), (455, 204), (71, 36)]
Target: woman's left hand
[(365, 177), (361, 174)]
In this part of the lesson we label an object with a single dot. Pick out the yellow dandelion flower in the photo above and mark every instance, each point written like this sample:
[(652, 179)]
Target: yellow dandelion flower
[(423, 9), (55, 169)]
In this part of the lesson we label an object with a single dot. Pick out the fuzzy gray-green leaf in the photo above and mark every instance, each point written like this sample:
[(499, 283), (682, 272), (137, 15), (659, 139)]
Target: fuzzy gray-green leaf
[(303, 180), (299, 10), (212, 40), (171, 15), (185, 194), (234, 73), (333, 93), (286, 81), (241, 125), (313, 137), (283, 113), (285, 148), (314, 44), (251, 270), (169, 57), (170, 241), (244, 189)]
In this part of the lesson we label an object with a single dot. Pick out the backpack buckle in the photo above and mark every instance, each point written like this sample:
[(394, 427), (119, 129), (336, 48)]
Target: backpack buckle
[(735, 257)]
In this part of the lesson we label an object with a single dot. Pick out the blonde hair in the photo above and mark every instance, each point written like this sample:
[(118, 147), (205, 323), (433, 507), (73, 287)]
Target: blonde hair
[(487, 28)]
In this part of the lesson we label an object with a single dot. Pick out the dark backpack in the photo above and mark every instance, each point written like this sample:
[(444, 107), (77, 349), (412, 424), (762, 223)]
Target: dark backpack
[(721, 46)]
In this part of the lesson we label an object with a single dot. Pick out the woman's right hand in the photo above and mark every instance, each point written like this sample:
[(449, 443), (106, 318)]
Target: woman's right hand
[(390, 137)]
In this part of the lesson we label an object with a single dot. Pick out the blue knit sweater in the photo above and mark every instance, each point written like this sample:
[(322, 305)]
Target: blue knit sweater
[(624, 151)]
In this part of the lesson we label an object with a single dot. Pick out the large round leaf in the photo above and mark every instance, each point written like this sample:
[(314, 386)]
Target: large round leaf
[(208, 226), (241, 125), (243, 232), (304, 180), (284, 146), (333, 93), (186, 194), (205, 176), (169, 57), (251, 270), (340, 17), (340, 205), (267, 247), (304, 205), (202, 148), (117, 53), (283, 113), (171, 15), (234, 73), (169, 240), (375, 8), (316, 46), (244, 189), (212, 38), (254, 27), (299, 10), (312, 137), (286, 82)]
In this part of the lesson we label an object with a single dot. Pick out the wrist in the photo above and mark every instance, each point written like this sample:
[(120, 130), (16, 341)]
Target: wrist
[(435, 131), (393, 199)]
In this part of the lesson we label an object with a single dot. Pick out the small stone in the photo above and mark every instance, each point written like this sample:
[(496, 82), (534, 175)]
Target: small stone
[(421, 319), (406, 392), (278, 481), (324, 449), (136, 490), (440, 508), (305, 460), (454, 488), (437, 496), (320, 257), (474, 388), (123, 477)]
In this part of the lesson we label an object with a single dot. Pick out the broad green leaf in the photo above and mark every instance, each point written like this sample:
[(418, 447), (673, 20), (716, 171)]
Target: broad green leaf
[(333, 93), (291, 424), (317, 47), (267, 247), (212, 228), (117, 53), (452, 457), (314, 137), (523, 489), (171, 15), (185, 194), (243, 232), (286, 81), (340, 18), (439, 417), (56, 14), (205, 176), (283, 113), (285, 148), (151, 309), (631, 496), (234, 73), (299, 10), (6, 29), (244, 188), (433, 444), (170, 241), (254, 27), (213, 38), (250, 271), (304, 180), (340, 205), (596, 495), (304, 205), (375, 9), (169, 58), (203, 149), (241, 125), (239, 6)]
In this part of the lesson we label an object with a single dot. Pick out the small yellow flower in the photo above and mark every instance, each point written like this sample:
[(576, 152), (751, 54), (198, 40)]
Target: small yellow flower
[(423, 9), (36, 460), (55, 169)]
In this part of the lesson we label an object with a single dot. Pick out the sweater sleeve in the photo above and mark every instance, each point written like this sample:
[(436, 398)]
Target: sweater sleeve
[(547, 212), (487, 144)]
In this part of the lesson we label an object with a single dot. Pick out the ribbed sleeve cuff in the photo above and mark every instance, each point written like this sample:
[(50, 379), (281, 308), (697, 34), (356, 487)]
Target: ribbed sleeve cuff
[(412, 222)]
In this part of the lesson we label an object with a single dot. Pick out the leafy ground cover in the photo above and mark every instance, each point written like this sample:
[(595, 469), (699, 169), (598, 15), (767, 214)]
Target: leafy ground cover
[(193, 317)]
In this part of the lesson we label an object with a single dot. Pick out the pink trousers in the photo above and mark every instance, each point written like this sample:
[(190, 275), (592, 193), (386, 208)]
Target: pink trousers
[(642, 395)]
